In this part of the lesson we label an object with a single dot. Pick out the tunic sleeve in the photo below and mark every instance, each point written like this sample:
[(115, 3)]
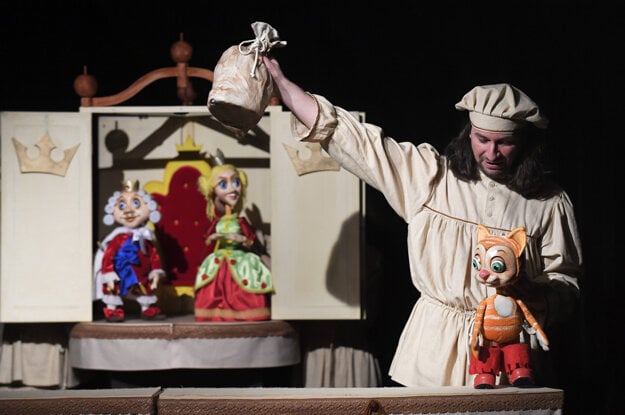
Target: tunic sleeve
[(554, 264), (561, 244), (403, 172), (563, 264)]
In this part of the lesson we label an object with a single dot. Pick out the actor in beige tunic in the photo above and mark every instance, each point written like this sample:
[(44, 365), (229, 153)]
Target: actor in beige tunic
[(442, 212)]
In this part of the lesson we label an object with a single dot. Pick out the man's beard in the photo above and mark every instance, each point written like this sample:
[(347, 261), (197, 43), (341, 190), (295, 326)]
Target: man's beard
[(501, 176)]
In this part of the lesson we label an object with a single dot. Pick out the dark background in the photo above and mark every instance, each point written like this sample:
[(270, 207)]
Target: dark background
[(404, 64)]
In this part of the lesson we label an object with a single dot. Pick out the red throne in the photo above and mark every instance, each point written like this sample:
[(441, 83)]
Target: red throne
[(179, 233)]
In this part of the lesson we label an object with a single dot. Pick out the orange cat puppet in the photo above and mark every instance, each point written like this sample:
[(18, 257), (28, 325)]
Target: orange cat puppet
[(500, 319)]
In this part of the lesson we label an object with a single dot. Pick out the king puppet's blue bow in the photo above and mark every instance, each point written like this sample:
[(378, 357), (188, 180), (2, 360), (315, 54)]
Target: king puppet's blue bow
[(126, 257)]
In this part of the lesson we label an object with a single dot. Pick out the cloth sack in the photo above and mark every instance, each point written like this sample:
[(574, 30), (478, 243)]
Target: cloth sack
[(242, 87)]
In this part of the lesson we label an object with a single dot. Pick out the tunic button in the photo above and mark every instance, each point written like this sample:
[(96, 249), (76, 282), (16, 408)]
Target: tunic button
[(491, 198), (489, 213), (491, 184)]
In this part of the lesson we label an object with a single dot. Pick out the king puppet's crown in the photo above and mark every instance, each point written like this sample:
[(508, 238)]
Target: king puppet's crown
[(44, 163), (130, 186)]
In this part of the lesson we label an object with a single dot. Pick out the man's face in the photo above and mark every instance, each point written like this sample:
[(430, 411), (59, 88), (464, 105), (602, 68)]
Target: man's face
[(495, 152)]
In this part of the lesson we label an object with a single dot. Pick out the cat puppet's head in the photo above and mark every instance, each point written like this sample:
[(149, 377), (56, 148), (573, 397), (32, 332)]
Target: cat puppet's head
[(496, 260)]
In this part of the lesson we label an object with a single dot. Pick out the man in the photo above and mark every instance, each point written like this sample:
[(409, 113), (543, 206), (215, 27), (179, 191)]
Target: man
[(491, 174)]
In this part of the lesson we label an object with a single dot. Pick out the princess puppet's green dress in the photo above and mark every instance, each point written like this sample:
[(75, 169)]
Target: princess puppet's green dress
[(232, 283)]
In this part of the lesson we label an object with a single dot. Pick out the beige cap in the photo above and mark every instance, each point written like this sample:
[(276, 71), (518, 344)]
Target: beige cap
[(500, 107)]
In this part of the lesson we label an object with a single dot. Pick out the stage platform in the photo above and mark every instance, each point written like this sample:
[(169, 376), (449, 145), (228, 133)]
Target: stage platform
[(285, 401)]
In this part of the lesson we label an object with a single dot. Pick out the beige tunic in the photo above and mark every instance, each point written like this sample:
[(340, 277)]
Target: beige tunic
[(442, 214)]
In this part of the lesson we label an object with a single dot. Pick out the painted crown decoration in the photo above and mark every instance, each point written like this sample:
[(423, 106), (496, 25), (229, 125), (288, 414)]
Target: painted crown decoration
[(44, 163), (316, 162)]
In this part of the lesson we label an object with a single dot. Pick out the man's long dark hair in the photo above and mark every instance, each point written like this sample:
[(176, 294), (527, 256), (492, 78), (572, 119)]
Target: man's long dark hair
[(529, 176)]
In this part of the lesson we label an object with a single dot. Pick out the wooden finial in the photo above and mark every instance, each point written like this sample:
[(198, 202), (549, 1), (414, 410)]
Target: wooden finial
[(181, 51), (85, 85)]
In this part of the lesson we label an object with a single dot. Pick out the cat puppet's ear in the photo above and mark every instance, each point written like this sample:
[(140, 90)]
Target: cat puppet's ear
[(519, 236), (482, 232)]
